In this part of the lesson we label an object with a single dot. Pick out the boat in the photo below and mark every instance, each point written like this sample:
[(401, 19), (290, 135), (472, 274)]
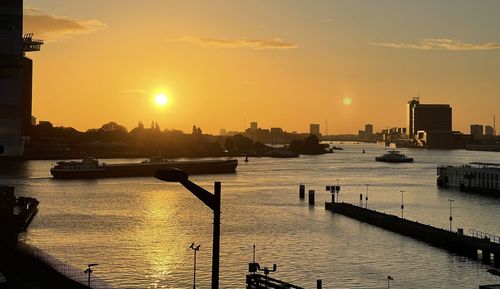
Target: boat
[(18, 211), (90, 168), (473, 177), (394, 157)]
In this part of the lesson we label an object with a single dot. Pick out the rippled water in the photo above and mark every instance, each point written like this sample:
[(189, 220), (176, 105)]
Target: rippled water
[(139, 229)]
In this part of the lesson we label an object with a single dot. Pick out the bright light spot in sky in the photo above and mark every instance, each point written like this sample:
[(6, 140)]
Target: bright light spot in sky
[(347, 100), (161, 99)]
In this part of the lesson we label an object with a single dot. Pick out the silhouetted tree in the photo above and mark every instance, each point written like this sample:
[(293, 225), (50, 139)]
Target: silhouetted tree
[(259, 147), (113, 127), (229, 144), (309, 146)]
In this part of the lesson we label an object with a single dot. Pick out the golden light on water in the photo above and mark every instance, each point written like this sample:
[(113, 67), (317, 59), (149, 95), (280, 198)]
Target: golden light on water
[(161, 99), (347, 100)]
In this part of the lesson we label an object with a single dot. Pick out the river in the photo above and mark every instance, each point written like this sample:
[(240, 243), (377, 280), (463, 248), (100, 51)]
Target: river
[(139, 229)]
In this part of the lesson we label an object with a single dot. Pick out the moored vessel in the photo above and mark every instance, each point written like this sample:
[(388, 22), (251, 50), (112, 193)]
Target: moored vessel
[(17, 212), (473, 177), (89, 168), (394, 157)]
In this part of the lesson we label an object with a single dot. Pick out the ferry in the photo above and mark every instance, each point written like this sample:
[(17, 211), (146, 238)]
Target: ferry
[(90, 168), (473, 177), (394, 157)]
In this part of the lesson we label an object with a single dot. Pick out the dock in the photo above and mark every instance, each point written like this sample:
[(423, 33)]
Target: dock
[(456, 242)]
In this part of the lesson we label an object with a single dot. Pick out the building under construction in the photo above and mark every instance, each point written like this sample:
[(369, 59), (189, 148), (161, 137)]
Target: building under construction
[(16, 74)]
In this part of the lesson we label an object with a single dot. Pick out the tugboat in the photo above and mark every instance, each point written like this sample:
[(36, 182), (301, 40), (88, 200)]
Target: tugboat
[(394, 157)]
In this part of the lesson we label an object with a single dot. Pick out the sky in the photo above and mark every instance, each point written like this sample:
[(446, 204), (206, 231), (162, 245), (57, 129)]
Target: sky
[(282, 63)]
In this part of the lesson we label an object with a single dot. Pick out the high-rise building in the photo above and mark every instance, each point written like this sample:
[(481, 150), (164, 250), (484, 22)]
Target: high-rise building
[(428, 117), (489, 131), (276, 131), (410, 117), (368, 131), (476, 130), (314, 129), (254, 125), (432, 117), (223, 131), (15, 78)]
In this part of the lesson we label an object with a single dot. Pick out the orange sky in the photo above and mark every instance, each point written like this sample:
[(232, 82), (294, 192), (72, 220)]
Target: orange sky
[(282, 63)]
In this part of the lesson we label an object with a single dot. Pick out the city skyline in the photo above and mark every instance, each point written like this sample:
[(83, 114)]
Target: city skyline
[(238, 61)]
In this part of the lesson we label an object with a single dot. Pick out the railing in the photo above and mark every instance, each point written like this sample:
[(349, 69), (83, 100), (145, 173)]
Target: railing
[(30, 44), (71, 272), (483, 235)]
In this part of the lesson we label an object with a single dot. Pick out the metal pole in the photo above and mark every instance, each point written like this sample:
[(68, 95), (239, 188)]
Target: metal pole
[(366, 198), (90, 271), (402, 205), (451, 217), (337, 190), (216, 243), (195, 249), (194, 273)]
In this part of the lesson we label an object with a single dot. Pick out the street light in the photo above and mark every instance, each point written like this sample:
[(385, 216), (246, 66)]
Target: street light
[(89, 271), (451, 217), (366, 198), (212, 201), (389, 279), (195, 249), (402, 205)]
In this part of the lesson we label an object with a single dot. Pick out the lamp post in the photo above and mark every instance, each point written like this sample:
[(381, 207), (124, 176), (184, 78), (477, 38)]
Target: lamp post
[(89, 271), (451, 217), (212, 201), (195, 249), (389, 279), (366, 198), (402, 205)]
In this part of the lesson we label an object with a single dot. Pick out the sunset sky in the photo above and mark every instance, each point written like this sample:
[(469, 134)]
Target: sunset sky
[(283, 63)]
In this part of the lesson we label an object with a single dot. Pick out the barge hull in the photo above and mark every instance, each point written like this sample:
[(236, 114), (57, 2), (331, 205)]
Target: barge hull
[(148, 169)]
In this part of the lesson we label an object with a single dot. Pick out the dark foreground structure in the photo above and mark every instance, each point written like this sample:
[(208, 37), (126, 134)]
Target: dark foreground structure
[(25, 270), (20, 266), (453, 241), (16, 77), (258, 281)]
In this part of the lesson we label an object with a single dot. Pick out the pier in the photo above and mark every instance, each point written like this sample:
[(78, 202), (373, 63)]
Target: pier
[(453, 241)]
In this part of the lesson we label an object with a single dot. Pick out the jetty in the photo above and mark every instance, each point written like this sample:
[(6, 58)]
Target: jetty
[(457, 242)]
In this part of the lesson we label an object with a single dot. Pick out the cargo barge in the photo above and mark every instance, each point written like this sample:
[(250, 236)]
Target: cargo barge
[(90, 168), (475, 177)]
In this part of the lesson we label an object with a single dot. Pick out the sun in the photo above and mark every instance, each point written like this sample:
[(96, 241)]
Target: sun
[(347, 100), (161, 99)]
